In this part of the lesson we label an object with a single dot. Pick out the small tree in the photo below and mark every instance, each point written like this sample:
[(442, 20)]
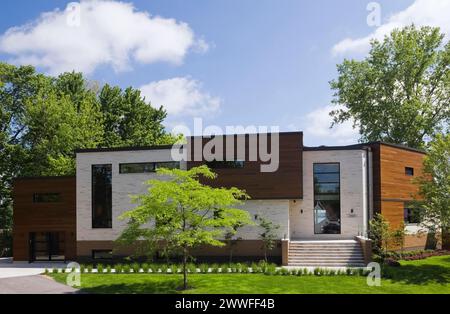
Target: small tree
[(379, 233), (187, 213), (434, 187), (231, 240), (268, 234), (398, 236)]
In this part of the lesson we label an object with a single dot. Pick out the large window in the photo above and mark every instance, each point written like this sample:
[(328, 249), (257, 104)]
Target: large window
[(225, 164), (411, 214), (327, 201), (101, 196), (146, 167), (46, 198)]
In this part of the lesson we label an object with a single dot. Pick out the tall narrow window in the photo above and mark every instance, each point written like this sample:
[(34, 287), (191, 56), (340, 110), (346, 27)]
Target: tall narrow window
[(327, 201), (101, 196)]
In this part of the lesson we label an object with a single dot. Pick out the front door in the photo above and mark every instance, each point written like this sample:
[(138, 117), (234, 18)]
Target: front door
[(47, 246)]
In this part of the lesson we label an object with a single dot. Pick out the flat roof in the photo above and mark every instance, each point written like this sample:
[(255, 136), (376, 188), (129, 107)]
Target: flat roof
[(362, 146), (126, 148)]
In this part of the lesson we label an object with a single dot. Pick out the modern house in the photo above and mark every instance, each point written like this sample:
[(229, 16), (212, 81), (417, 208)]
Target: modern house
[(321, 197)]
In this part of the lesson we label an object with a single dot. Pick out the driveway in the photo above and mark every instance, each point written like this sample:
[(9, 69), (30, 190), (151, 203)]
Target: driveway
[(9, 269), (25, 278), (33, 285)]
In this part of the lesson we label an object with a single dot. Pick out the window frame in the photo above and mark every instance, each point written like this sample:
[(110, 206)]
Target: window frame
[(110, 252), (339, 194), (411, 208), (221, 164), (155, 166), (409, 171), (93, 225), (57, 194)]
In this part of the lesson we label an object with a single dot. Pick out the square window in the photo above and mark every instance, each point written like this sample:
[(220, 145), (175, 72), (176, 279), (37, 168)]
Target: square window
[(409, 171)]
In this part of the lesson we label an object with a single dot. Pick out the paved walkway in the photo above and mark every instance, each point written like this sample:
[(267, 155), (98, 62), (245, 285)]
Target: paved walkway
[(33, 285), (8, 269)]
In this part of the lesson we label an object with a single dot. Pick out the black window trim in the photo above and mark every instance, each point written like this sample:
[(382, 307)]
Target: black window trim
[(57, 194), (92, 197), (409, 171), (101, 251), (339, 193), (154, 163), (236, 161)]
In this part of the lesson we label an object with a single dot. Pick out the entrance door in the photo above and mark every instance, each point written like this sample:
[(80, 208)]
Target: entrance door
[(47, 246)]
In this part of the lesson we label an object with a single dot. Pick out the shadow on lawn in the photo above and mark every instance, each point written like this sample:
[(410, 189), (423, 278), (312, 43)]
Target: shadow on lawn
[(419, 274), (162, 287)]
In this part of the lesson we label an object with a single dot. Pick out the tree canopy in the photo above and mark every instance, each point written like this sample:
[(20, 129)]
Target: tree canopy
[(43, 119), (400, 92), (434, 186)]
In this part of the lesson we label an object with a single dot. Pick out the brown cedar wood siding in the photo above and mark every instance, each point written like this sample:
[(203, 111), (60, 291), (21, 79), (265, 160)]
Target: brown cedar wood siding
[(285, 183), (242, 248), (392, 187), (43, 217)]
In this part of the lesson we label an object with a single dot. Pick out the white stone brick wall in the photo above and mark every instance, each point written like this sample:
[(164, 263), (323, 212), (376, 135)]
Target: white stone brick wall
[(353, 195), (123, 185)]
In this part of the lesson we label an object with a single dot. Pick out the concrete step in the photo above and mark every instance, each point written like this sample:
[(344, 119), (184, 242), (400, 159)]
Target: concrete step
[(325, 256), (326, 265), (346, 253)]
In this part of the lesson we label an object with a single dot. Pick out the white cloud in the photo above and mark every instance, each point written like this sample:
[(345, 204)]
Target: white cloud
[(181, 96), (107, 33), (421, 12), (316, 126)]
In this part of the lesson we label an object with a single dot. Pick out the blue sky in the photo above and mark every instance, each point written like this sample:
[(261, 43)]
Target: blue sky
[(247, 62)]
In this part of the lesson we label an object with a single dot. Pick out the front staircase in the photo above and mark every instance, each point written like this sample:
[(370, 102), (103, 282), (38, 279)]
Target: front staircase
[(336, 253)]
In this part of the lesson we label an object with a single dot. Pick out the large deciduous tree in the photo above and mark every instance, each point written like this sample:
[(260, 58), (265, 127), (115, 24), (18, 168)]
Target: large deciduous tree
[(43, 119), (181, 211), (400, 92), (434, 188)]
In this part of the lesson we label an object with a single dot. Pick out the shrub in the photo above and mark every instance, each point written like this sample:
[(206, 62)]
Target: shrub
[(154, 268), (126, 268), (270, 269), (215, 268), (108, 269), (174, 268), (164, 268), (136, 268), (145, 267), (55, 270), (100, 268), (203, 268), (224, 268), (90, 268), (46, 271), (192, 268), (118, 268), (391, 262)]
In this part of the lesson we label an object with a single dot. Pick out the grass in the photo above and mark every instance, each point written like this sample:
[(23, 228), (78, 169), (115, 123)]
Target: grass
[(431, 275)]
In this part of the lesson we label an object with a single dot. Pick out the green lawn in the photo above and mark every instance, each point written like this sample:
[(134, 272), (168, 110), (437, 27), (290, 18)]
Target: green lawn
[(430, 275)]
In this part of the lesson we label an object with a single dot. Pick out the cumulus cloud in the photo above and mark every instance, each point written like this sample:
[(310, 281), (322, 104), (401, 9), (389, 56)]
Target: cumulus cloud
[(422, 12), (317, 129), (96, 33), (181, 96)]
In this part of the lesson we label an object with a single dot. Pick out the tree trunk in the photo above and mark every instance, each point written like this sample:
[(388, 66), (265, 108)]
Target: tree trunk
[(184, 269)]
